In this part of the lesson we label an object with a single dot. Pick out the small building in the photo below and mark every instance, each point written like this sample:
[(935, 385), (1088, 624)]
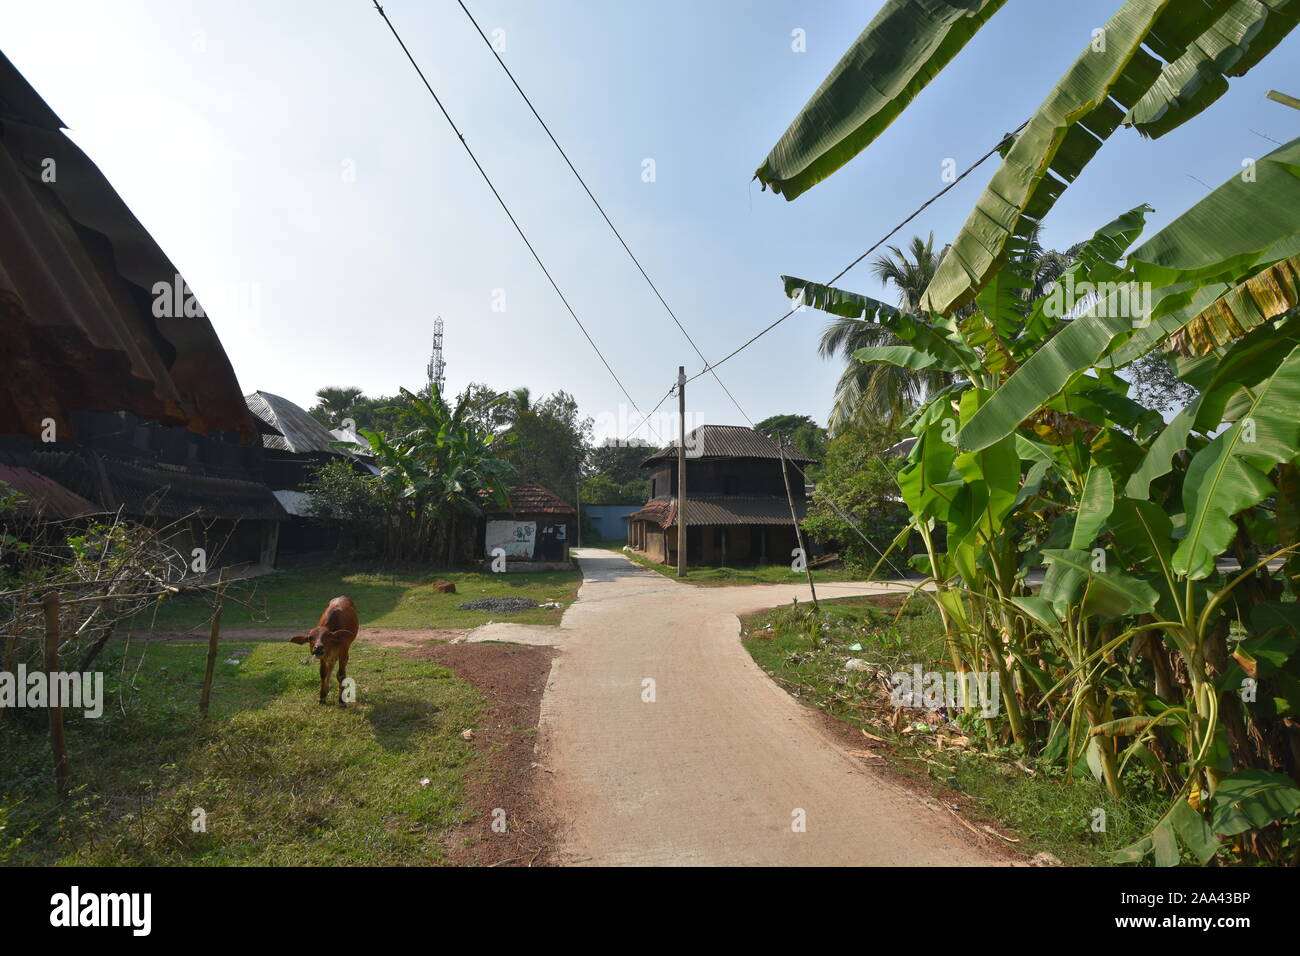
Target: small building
[(536, 526), (294, 445), (737, 511), (610, 521)]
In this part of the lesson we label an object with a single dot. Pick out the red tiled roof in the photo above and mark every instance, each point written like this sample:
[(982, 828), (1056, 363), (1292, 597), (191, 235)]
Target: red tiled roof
[(533, 498), (43, 495)]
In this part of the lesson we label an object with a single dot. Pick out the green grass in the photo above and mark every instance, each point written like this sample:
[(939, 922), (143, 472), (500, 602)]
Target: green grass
[(1046, 810), (755, 574), (282, 779), (292, 600)]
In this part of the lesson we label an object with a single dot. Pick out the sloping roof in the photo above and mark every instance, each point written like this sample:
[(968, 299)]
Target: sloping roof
[(728, 441), (294, 502), (300, 434), (533, 498), (77, 279), (163, 491), (44, 495), (723, 510)]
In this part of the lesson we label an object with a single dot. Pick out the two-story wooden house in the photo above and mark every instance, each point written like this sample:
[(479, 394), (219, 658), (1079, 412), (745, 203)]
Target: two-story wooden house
[(737, 511)]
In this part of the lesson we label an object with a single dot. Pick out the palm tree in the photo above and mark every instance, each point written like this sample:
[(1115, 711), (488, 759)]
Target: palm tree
[(877, 392)]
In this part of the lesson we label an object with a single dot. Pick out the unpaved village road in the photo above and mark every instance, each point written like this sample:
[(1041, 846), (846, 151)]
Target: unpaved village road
[(713, 771)]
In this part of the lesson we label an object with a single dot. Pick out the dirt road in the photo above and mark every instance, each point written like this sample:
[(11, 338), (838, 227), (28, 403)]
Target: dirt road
[(666, 744)]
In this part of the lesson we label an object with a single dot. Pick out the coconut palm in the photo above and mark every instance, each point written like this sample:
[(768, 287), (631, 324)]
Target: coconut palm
[(872, 391)]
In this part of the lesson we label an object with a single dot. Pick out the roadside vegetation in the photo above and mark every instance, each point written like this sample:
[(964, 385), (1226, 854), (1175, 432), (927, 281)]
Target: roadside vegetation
[(280, 780), (959, 760), (1138, 660)]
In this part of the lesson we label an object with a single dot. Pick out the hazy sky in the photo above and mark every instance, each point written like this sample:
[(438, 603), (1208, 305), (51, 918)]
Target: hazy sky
[(287, 158)]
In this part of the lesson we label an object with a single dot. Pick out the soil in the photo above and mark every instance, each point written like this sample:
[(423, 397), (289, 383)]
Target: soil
[(512, 678)]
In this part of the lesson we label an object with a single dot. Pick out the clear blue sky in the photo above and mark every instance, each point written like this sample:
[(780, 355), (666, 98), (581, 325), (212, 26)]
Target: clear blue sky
[(226, 126)]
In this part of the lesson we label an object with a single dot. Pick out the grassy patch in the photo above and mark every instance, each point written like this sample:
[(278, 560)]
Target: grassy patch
[(292, 600), (754, 574), (1047, 810), (282, 780)]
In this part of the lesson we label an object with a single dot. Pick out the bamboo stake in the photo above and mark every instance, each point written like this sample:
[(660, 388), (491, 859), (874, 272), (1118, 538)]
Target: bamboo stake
[(794, 518), (59, 744), (213, 638)]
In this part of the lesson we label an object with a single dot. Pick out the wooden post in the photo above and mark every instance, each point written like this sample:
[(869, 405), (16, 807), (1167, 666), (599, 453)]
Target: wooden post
[(213, 637), (59, 744), (798, 534), (11, 654), (681, 471)]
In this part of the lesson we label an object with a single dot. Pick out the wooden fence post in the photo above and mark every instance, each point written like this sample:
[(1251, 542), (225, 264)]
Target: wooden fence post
[(11, 656), (212, 645), (59, 744)]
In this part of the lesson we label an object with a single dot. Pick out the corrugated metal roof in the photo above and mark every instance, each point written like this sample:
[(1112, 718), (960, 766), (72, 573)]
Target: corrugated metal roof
[(44, 495), (728, 441), (77, 279), (299, 432), (294, 502), (141, 490), (724, 510)]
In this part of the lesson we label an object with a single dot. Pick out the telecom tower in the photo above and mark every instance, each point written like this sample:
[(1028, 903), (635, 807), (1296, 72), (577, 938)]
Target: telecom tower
[(437, 367)]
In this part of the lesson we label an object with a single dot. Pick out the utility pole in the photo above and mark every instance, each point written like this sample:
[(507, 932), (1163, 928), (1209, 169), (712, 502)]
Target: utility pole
[(798, 533), (681, 471), (577, 501)]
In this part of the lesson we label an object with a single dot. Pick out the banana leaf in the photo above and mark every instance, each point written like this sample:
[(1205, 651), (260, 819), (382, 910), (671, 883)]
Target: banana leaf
[(1063, 135), (1243, 36), (902, 49), (1230, 473)]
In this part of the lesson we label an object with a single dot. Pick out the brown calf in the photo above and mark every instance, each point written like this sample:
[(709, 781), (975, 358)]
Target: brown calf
[(330, 641)]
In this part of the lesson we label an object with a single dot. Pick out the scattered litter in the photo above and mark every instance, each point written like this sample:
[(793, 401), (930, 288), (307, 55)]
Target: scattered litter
[(1000, 836), (550, 604), (1045, 859), (504, 605), (233, 660), (865, 754), (467, 734), (855, 647), (424, 782), (856, 664)]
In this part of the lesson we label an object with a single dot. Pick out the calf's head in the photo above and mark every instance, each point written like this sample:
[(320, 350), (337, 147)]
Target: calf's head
[(324, 642)]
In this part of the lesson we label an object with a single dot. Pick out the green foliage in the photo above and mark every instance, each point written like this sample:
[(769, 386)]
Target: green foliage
[(548, 441), (857, 495), (348, 499), (799, 431), (437, 470)]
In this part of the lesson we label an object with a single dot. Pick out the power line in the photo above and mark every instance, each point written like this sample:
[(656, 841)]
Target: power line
[(477, 165), (601, 209), (887, 236)]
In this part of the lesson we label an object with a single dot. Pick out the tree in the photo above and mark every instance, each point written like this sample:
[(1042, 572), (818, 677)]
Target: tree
[(1156, 387), (799, 431), (618, 460), (868, 391), (437, 470), (335, 404), (550, 440), (855, 509)]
